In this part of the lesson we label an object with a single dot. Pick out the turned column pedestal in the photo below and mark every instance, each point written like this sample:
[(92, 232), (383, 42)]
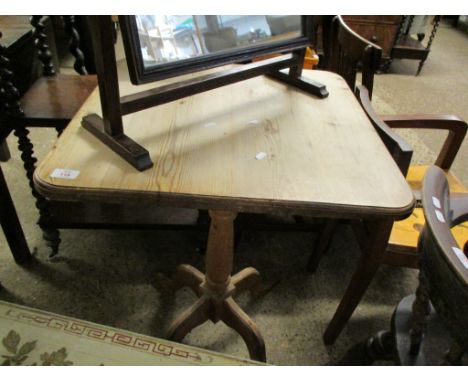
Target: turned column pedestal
[(216, 288)]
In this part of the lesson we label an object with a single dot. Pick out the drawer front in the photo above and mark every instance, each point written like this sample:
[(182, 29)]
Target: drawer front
[(381, 30)]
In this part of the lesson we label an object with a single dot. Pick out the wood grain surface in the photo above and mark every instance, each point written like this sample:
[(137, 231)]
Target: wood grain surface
[(322, 155)]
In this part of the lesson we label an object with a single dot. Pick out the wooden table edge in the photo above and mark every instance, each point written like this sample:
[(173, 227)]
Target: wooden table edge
[(254, 205)]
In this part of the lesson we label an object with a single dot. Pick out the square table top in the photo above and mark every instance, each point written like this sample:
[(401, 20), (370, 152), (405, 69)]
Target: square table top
[(320, 156)]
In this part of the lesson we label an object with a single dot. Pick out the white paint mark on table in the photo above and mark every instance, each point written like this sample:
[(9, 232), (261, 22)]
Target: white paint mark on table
[(253, 122), (261, 155)]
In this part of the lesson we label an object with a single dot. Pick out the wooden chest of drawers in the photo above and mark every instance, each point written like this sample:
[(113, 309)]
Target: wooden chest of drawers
[(381, 30)]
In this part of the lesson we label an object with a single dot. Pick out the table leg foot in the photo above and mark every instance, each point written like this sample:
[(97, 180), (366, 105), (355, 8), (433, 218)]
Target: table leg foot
[(186, 275), (233, 316), (247, 279), (192, 317)]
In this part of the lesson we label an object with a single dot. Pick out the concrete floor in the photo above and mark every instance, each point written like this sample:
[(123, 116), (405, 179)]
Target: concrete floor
[(109, 276)]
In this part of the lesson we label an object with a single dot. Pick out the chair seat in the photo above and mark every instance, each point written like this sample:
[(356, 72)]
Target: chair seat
[(53, 101), (405, 233), (416, 175)]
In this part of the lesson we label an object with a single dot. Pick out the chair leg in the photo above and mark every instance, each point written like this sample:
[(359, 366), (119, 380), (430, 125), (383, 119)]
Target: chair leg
[(376, 348), (50, 235), (322, 244), (420, 66), (366, 268), (421, 309), (380, 346), (59, 131), (429, 43), (11, 225)]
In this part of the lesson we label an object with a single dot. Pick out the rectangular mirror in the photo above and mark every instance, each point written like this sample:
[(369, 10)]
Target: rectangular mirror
[(163, 46)]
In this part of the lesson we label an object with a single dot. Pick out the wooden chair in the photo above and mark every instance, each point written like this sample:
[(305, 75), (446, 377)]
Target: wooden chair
[(428, 328), (443, 278), (50, 102), (346, 52), (402, 246)]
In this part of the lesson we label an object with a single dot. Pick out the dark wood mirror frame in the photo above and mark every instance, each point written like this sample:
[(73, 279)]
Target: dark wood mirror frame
[(109, 127), (139, 74)]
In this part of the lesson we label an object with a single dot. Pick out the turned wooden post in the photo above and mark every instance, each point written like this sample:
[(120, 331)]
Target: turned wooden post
[(220, 251), (74, 44), (42, 45), (10, 98), (420, 311)]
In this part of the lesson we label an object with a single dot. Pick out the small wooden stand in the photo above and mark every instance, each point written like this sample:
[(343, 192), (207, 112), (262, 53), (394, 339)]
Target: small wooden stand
[(407, 47), (109, 128), (216, 289)]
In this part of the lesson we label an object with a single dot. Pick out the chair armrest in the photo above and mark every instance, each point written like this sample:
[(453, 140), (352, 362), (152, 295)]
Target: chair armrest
[(456, 132), (400, 150)]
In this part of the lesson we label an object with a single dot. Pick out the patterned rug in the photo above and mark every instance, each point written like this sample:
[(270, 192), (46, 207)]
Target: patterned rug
[(31, 337)]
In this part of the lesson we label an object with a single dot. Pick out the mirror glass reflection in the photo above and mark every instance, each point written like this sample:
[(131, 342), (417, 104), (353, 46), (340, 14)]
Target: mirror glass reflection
[(165, 38)]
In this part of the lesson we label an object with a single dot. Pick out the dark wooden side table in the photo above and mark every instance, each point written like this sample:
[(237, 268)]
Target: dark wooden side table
[(255, 146), (17, 38), (410, 47)]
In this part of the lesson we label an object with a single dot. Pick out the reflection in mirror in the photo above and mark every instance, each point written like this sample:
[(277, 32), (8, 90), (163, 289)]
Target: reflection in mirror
[(166, 38)]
